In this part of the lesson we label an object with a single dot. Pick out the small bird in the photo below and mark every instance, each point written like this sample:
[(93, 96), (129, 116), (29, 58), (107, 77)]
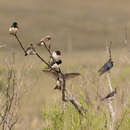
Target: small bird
[(109, 95), (44, 40), (14, 28), (30, 50), (59, 78), (106, 67), (56, 64), (56, 55), (59, 83), (55, 76)]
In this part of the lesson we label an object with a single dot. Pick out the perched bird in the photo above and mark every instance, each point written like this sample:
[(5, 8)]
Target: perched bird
[(44, 40), (109, 95), (106, 67), (56, 64), (59, 83), (55, 76), (59, 78), (56, 55), (30, 50), (14, 28)]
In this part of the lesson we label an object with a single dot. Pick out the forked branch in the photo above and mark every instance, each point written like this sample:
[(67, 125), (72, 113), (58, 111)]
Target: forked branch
[(66, 95)]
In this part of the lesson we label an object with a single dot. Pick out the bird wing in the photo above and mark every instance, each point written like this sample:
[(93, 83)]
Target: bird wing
[(50, 73), (109, 95), (28, 48), (71, 75), (103, 69), (55, 76)]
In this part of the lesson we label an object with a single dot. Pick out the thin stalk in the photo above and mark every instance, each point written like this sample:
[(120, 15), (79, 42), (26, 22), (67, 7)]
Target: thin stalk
[(20, 43), (111, 109)]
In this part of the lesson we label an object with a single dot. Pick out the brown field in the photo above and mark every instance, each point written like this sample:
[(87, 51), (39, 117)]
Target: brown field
[(79, 28)]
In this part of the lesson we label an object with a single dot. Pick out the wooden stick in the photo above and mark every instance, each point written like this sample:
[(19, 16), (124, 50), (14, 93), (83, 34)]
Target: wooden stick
[(111, 109)]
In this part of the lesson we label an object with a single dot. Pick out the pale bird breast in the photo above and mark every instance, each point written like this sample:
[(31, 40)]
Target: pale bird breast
[(58, 82), (55, 66), (53, 54), (13, 30), (56, 57), (42, 43)]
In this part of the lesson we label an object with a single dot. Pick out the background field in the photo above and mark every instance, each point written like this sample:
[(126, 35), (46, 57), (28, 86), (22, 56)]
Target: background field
[(79, 28)]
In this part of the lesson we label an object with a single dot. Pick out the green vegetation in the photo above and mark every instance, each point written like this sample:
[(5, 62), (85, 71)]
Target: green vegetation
[(57, 118)]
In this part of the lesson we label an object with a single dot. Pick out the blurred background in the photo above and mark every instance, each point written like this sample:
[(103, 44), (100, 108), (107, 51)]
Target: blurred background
[(79, 28), (83, 24)]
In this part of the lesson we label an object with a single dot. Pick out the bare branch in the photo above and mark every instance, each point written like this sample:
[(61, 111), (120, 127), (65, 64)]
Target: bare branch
[(59, 74), (20, 43), (9, 113), (109, 49)]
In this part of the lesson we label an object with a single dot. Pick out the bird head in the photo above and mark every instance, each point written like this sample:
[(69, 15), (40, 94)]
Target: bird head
[(14, 24), (59, 62), (58, 52)]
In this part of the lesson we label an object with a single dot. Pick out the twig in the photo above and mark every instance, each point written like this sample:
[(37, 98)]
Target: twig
[(9, 114), (20, 43), (43, 60), (109, 49), (64, 85), (47, 48)]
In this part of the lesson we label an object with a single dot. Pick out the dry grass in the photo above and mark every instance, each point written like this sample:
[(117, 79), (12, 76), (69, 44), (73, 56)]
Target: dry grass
[(39, 87)]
